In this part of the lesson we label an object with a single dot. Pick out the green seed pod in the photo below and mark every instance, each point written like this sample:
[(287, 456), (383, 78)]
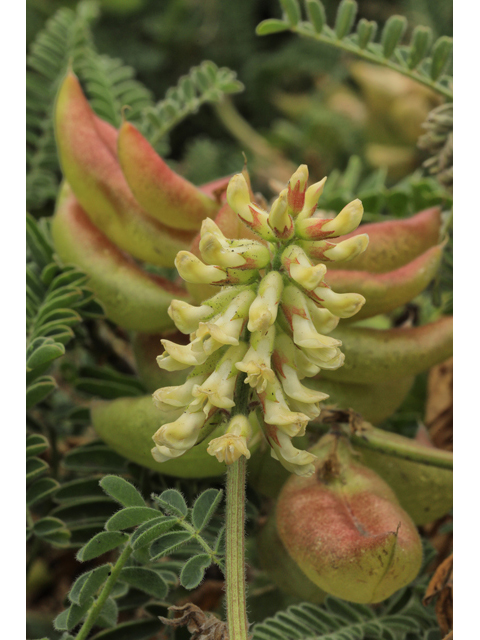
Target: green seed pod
[(424, 491), (128, 424), (344, 527), (280, 567)]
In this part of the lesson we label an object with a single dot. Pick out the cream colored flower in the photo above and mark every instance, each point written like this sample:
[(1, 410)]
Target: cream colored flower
[(296, 390), (277, 412), (191, 269), (187, 317), (233, 444), (343, 305), (301, 269), (217, 390), (312, 196), (256, 362), (294, 460), (180, 396), (238, 197), (263, 311), (181, 434)]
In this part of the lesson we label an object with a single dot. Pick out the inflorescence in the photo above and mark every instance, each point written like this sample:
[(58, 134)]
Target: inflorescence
[(266, 328)]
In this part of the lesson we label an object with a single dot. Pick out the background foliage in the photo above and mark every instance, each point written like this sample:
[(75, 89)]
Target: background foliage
[(177, 62)]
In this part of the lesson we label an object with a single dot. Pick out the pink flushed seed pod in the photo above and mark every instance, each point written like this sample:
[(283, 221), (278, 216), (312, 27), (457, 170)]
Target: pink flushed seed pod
[(164, 194), (90, 165), (345, 529)]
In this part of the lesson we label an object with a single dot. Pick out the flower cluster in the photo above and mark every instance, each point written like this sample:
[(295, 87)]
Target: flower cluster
[(266, 328)]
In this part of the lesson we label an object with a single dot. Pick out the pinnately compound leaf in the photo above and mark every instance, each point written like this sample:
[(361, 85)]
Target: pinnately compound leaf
[(122, 491)]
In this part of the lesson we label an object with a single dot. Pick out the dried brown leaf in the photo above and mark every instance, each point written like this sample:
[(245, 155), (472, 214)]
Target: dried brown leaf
[(441, 586), (202, 626)]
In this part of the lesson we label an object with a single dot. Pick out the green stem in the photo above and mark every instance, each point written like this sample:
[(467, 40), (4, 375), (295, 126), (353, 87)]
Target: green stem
[(371, 57), (235, 546), (95, 610), (389, 444)]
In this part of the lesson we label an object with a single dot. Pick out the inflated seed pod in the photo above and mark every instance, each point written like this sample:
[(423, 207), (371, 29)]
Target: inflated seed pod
[(345, 529), (281, 568)]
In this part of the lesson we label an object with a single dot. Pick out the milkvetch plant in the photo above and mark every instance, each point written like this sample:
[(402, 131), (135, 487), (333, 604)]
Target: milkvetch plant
[(253, 343)]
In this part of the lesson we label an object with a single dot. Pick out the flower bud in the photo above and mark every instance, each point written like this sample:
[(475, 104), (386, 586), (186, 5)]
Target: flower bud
[(294, 305), (296, 189), (191, 269), (187, 317), (277, 412), (345, 529), (238, 197), (233, 444), (187, 354), (263, 311), (279, 218), (168, 398), (343, 305), (340, 252), (180, 435), (301, 269), (295, 460), (312, 196), (317, 228)]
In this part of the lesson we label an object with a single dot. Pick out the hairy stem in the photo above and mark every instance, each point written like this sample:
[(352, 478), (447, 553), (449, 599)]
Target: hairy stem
[(95, 610), (235, 558)]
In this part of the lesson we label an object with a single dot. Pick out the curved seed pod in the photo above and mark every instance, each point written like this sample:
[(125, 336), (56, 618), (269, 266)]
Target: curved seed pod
[(128, 424), (281, 569), (216, 189), (96, 178), (344, 527), (131, 297), (374, 355), (424, 491), (374, 402), (163, 194), (107, 133), (387, 291), (394, 243)]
